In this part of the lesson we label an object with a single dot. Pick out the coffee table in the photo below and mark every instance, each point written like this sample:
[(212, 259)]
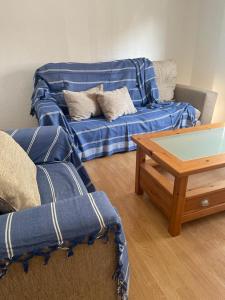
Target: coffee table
[(175, 156)]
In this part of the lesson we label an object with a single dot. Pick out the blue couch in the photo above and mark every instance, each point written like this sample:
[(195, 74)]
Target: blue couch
[(97, 137), (72, 213)]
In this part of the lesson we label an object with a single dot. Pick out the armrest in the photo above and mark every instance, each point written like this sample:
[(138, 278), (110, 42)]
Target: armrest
[(47, 144), (49, 113), (45, 107), (59, 224), (202, 99), (64, 224), (43, 144)]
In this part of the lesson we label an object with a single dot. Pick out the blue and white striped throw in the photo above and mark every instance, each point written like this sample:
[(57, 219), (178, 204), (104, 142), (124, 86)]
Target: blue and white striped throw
[(97, 137), (69, 215)]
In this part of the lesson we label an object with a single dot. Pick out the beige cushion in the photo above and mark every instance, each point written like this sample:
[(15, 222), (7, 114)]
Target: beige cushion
[(18, 185), (166, 75), (83, 105), (116, 103), (197, 114)]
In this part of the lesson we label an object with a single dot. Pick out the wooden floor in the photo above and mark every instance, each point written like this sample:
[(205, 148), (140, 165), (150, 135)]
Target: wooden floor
[(190, 266)]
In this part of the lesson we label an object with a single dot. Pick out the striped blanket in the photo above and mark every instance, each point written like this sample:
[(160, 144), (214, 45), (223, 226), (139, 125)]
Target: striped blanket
[(97, 137), (69, 214), (50, 144)]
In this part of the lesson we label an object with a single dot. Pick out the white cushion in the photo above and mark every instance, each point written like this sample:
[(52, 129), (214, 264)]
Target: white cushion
[(166, 75), (18, 185), (197, 114), (116, 103), (83, 105)]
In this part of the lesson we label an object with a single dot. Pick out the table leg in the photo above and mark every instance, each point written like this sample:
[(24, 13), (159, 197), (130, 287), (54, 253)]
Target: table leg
[(178, 202), (140, 158)]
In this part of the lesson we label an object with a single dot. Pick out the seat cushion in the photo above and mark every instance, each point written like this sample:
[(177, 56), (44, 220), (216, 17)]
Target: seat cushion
[(58, 181), (97, 137)]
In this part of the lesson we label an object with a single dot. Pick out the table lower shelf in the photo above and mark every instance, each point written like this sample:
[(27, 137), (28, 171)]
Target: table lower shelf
[(205, 193)]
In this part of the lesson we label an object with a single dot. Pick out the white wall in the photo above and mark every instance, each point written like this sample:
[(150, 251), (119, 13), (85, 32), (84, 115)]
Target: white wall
[(219, 78), (209, 60), (33, 33)]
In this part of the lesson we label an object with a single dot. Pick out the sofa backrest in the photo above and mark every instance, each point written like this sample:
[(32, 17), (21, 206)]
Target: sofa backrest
[(137, 74)]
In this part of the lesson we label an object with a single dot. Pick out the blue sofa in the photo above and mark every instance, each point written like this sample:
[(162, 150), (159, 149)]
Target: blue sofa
[(72, 214), (97, 137)]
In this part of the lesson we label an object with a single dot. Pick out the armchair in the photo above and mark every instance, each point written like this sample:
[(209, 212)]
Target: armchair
[(69, 218)]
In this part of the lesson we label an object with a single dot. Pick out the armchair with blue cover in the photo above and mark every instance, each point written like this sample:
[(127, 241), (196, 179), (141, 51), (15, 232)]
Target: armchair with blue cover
[(73, 219), (98, 137)]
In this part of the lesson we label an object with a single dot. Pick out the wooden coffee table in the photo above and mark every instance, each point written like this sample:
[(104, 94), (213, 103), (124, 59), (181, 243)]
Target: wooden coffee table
[(176, 156)]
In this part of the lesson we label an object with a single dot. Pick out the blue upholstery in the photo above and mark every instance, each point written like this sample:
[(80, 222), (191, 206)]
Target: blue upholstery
[(97, 137), (63, 177), (50, 144), (69, 214)]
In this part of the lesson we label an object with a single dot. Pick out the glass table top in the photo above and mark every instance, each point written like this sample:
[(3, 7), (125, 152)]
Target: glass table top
[(194, 145)]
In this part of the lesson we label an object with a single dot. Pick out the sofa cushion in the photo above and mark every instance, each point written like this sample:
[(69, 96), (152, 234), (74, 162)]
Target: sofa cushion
[(97, 137), (18, 185), (59, 181), (83, 105), (166, 75), (197, 114), (116, 103)]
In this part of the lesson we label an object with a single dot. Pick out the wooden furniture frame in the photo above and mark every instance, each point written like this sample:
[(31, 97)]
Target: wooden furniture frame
[(175, 200)]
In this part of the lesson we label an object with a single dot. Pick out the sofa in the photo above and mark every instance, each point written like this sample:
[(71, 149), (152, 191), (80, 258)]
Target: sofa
[(73, 245), (160, 103)]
